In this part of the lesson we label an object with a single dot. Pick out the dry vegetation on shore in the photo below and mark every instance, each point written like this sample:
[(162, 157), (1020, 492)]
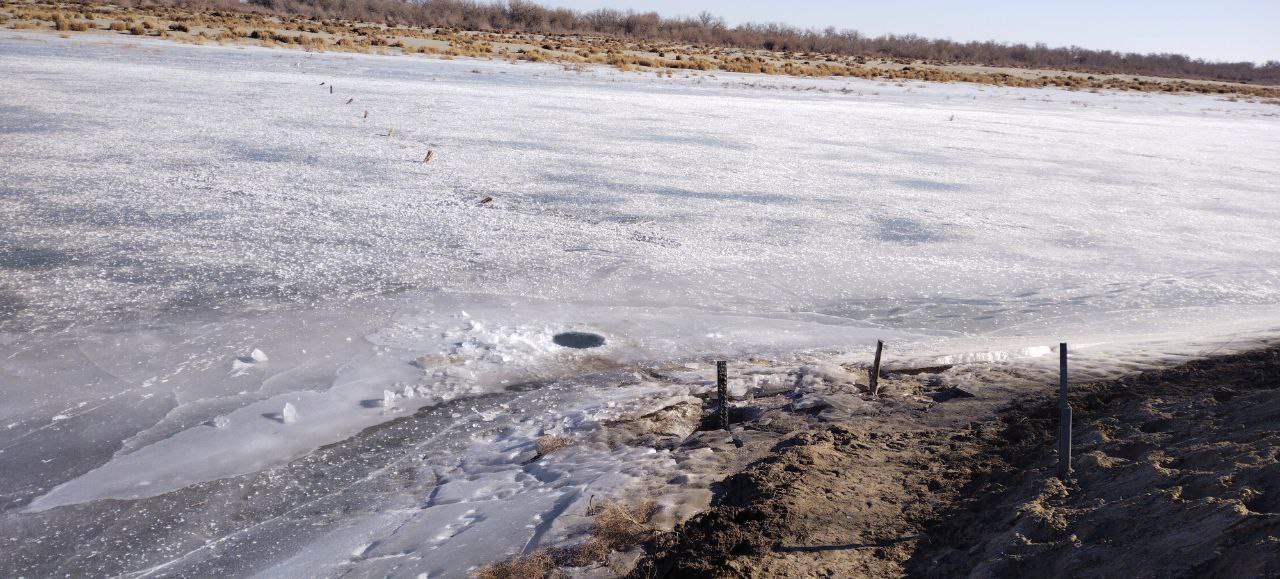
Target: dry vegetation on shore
[(575, 51)]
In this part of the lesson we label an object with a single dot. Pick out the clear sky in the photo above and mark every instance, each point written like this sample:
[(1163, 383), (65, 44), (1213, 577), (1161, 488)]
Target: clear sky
[(1215, 30)]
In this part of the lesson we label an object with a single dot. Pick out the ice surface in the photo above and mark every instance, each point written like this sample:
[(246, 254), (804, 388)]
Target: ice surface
[(198, 239)]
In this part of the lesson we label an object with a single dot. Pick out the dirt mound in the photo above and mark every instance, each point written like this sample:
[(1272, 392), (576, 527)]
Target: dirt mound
[(1177, 474), (845, 501)]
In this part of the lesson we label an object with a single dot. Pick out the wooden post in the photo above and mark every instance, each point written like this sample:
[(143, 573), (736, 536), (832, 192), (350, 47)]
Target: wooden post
[(875, 370), (1064, 418), (722, 387)]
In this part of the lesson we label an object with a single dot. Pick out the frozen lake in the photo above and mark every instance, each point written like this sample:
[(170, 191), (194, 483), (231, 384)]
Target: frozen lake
[(194, 237)]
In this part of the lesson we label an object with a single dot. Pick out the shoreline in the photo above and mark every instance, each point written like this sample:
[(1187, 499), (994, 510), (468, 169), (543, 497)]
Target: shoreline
[(573, 51), (936, 479)]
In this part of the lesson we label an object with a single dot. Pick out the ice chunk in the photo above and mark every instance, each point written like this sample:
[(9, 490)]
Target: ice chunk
[(290, 413)]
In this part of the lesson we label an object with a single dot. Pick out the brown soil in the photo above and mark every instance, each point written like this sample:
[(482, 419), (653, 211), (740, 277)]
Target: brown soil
[(1177, 474)]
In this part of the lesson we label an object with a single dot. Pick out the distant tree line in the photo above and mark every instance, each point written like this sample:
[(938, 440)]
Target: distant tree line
[(709, 30)]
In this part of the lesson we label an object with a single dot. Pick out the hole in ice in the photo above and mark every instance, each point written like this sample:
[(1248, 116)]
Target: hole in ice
[(578, 340)]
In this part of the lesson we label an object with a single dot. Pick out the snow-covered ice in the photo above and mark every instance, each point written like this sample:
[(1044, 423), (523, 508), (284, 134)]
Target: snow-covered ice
[(221, 285)]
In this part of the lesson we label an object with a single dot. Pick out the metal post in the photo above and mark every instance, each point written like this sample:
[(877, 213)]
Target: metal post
[(722, 387), (875, 370), (1064, 419)]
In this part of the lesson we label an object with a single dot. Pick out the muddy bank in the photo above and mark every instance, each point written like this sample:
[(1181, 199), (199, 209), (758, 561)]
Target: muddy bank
[(1177, 474)]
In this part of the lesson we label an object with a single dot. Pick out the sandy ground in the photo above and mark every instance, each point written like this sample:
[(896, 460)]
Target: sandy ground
[(1177, 474)]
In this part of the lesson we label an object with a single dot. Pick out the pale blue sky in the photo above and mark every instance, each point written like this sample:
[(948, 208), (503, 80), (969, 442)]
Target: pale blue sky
[(1216, 30)]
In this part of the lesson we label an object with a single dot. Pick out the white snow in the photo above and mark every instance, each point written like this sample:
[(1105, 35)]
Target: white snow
[(172, 212)]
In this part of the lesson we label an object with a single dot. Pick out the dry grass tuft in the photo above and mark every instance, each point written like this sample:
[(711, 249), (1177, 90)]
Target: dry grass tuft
[(535, 565), (618, 528), (547, 444)]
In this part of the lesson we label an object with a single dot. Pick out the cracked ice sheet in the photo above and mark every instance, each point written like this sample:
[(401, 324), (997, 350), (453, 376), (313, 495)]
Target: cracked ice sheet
[(494, 501), (487, 498), (495, 344)]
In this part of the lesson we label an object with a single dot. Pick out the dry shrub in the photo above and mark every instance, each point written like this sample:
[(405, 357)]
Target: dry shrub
[(533, 55), (118, 25), (549, 444), (311, 42), (137, 30), (535, 565)]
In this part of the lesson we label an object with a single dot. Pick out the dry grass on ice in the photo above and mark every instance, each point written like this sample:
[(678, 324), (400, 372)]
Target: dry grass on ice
[(618, 527)]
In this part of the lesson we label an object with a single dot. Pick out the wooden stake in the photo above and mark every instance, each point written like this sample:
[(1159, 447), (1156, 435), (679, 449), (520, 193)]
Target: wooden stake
[(722, 388), (430, 155), (875, 370), (1064, 418)]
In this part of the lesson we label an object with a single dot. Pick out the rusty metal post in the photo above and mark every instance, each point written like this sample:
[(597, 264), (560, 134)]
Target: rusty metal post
[(722, 388), (875, 370), (1064, 418)]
